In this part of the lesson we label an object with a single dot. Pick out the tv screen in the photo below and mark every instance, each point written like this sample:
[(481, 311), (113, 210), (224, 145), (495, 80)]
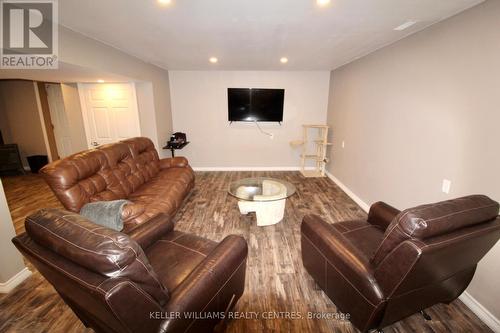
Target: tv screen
[(255, 104)]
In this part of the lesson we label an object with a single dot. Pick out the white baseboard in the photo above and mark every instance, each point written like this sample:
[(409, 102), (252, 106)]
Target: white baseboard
[(487, 317), (290, 168), (350, 193), (14, 281)]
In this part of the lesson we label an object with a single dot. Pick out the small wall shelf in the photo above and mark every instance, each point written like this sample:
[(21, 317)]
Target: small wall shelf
[(319, 157)]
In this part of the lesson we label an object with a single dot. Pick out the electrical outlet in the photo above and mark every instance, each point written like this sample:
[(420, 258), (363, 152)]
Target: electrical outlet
[(343, 144), (271, 136), (446, 186)]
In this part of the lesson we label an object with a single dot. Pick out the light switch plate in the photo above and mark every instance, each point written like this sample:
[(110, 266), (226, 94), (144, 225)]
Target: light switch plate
[(446, 186)]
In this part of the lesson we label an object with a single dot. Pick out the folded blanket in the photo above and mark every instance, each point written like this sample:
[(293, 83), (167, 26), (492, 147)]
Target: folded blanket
[(105, 213)]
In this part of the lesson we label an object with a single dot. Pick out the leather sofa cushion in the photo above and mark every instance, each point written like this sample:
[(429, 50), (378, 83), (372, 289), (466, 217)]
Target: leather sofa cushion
[(79, 177), (432, 220), (176, 254), (128, 176), (145, 156), (99, 249), (165, 192)]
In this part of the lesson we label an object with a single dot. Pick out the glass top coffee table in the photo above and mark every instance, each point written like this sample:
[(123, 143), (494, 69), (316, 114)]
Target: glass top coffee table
[(264, 196)]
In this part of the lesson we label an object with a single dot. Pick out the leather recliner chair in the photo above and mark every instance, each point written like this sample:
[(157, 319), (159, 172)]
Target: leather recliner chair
[(175, 282), (398, 263)]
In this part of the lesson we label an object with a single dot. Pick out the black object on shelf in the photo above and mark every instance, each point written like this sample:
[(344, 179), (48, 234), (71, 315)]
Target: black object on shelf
[(37, 162), (173, 146), (10, 159), (178, 140)]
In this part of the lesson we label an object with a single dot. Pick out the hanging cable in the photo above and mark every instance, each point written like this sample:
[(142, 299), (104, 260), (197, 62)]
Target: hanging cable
[(262, 131)]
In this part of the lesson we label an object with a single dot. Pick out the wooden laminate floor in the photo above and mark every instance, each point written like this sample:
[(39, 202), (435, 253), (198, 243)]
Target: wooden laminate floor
[(276, 280)]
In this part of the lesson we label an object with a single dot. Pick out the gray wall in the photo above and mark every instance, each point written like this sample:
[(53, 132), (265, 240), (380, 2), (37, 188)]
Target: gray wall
[(199, 106), (424, 109), (146, 107), (77, 49), (11, 261)]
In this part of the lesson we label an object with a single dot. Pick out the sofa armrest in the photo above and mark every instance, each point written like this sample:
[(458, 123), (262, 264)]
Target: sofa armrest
[(174, 162), (343, 256), (382, 214), (150, 231), (131, 210), (212, 287)]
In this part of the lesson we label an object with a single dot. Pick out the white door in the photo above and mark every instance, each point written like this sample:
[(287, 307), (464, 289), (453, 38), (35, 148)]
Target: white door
[(59, 120), (109, 112)]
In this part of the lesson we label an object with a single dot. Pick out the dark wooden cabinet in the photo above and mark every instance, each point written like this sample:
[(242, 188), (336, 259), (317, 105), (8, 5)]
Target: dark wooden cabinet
[(10, 159)]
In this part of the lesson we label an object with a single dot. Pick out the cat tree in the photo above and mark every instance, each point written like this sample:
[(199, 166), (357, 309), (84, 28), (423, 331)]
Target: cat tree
[(319, 144)]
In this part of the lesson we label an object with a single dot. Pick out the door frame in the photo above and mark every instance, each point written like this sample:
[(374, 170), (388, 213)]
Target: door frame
[(45, 120), (48, 86), (83, 102)]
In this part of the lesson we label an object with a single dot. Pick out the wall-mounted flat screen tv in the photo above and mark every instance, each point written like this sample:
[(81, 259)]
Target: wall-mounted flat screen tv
[(255, 104)]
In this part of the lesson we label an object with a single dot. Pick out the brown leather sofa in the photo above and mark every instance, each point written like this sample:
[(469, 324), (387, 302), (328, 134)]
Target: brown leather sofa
[(174, 282), (129, 169), (395, 264)]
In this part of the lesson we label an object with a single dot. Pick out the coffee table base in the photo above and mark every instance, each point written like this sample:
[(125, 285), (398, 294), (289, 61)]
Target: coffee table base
[(268, 212)]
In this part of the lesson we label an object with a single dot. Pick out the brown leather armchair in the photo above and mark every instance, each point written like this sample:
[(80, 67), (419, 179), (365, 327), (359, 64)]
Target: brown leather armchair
[(175, 282), (395, 264)]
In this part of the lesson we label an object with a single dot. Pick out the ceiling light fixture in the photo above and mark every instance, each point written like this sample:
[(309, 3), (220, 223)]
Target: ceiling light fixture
[(164, 2), (213, 60), (405, 25), (100, 81), (284, 60), (322, 2)]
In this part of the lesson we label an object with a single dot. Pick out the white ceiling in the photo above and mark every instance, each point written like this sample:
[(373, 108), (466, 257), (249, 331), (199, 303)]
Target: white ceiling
[(252, 34)]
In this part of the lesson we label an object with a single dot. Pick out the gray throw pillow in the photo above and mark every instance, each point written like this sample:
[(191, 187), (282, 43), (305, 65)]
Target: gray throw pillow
[(105, 213)]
